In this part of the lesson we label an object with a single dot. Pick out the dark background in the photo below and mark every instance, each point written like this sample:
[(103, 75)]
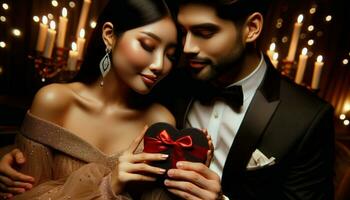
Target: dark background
[(19, 80)]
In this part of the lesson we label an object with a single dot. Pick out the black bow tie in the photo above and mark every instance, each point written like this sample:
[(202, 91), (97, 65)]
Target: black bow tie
[(233, 95)]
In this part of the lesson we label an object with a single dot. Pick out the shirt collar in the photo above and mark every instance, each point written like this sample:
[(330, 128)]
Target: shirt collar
[(251, 82)]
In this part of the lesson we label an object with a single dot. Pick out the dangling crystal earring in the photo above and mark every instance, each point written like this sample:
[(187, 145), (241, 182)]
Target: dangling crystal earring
[(105, 64)]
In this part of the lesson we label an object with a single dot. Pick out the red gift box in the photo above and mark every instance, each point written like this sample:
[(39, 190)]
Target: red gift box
[(189, 144)]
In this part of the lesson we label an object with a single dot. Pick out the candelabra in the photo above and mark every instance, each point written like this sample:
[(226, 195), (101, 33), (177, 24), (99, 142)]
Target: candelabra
[(54, 69)]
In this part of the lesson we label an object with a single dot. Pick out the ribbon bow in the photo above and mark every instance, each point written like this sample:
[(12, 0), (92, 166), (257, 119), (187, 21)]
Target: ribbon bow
[(163, 141), (184, 142), (233, 95)]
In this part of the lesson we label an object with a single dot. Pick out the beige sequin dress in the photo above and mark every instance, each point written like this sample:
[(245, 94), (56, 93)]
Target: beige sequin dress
[(65, 166)]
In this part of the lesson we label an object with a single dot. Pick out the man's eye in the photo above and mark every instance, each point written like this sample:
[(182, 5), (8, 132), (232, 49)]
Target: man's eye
[(147, 47), (204, 34)]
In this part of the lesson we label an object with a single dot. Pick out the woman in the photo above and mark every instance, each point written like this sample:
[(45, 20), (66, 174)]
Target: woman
[(96, 119)]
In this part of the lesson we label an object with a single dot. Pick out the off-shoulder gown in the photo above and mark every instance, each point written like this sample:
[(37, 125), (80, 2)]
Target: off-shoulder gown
[(67, 167)]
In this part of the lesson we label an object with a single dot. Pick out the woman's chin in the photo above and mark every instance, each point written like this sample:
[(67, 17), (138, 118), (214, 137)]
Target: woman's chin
[(143, 91)]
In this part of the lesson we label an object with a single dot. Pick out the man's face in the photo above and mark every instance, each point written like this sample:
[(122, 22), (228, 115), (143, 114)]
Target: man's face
[(211, 44)]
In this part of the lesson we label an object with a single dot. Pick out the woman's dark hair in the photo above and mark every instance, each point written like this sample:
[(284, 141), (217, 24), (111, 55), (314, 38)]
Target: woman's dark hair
[(124, 15)]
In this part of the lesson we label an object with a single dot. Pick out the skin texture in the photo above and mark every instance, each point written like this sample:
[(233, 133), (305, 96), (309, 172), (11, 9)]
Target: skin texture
[(111, 123), (195, 180), (216, 50)]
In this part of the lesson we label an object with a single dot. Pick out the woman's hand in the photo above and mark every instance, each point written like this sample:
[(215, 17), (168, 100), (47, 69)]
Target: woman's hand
[(13, 182), (133, 167)]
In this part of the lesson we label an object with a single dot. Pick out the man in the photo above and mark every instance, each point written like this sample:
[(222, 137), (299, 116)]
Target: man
[(275, 143), (278, 144)]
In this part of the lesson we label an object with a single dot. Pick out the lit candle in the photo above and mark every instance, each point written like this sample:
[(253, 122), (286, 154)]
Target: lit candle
[(271, 51), (81, 43), (317, 73), (301, 66), (72, 58), (50, 40), (42, 35), (62, 29), (83, 15), (295, 38), (274, 60)]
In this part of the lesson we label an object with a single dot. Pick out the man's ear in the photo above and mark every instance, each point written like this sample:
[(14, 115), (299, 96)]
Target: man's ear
[(108, 34), (253, 27)]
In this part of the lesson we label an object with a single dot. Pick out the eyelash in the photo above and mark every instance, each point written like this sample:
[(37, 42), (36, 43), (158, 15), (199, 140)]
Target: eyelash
[(146, 47), (204, 34)]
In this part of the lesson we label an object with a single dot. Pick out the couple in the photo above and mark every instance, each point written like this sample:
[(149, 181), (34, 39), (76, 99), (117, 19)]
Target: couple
[(274, 140)]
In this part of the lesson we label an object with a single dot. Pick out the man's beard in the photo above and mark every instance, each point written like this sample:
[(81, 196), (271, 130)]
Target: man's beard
[(230, 66)]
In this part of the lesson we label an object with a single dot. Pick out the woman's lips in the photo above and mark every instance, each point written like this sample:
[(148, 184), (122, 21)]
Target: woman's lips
[(149, 79)]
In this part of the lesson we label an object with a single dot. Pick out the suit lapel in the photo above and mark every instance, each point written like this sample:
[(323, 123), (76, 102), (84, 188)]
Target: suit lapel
[(261, 109)]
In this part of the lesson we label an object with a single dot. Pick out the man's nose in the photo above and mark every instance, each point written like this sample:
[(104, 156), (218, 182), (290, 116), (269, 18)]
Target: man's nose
[(190, 46)]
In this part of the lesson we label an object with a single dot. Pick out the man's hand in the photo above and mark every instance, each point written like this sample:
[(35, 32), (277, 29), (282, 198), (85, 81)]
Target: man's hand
[(194, 181), (13, 182)]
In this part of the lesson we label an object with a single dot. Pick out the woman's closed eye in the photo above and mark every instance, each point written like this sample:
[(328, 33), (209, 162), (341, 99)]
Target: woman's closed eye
[(147, 45)]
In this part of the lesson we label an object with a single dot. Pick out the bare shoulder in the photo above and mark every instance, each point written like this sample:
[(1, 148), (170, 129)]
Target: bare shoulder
[(51, 101), (159, 113)]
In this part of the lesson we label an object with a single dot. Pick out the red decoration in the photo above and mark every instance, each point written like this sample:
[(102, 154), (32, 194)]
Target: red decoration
[(188, 144)]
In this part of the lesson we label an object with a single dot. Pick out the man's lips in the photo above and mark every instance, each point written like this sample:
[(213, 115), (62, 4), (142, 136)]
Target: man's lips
[(198, 63)]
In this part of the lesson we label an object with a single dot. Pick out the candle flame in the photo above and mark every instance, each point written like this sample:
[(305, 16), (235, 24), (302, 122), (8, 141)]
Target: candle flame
[(64, 12), (272, 46), (52, 25), (74, 46), (304, 51), (44, 20), (346, 107), (319, 58), (300, 19), (275, 56), (82, 33)]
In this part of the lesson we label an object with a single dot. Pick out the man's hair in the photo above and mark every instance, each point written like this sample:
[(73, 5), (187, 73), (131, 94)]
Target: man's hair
[(234, 10)]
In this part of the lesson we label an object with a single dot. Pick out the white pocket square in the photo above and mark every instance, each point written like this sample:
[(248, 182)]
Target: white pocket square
[(259, 160)]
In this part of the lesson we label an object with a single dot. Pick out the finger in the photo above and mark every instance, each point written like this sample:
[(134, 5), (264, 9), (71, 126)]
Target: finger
[(5, 195), (182, 194), (137, 140), (190, 177), (8, 182), (142, 167), (24, 185), (127, 177), (199, 168), (209, 158), (186, 190), (14, 190), (19, 157), (17, 176), (141, 157)]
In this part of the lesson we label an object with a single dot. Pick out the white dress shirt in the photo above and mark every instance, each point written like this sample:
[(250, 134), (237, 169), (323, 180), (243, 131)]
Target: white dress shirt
[(221, 121)]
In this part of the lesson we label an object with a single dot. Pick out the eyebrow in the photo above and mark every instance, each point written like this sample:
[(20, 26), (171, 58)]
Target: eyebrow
[(156, 37), (152, 35), (205, 26)]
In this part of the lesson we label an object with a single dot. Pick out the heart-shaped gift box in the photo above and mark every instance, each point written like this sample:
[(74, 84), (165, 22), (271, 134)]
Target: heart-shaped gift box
[(188, 144)]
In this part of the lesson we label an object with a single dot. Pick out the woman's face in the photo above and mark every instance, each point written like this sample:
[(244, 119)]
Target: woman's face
[(144, 55)]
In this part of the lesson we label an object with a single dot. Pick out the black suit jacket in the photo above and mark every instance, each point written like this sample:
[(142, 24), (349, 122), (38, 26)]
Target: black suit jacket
[(283, 120)]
